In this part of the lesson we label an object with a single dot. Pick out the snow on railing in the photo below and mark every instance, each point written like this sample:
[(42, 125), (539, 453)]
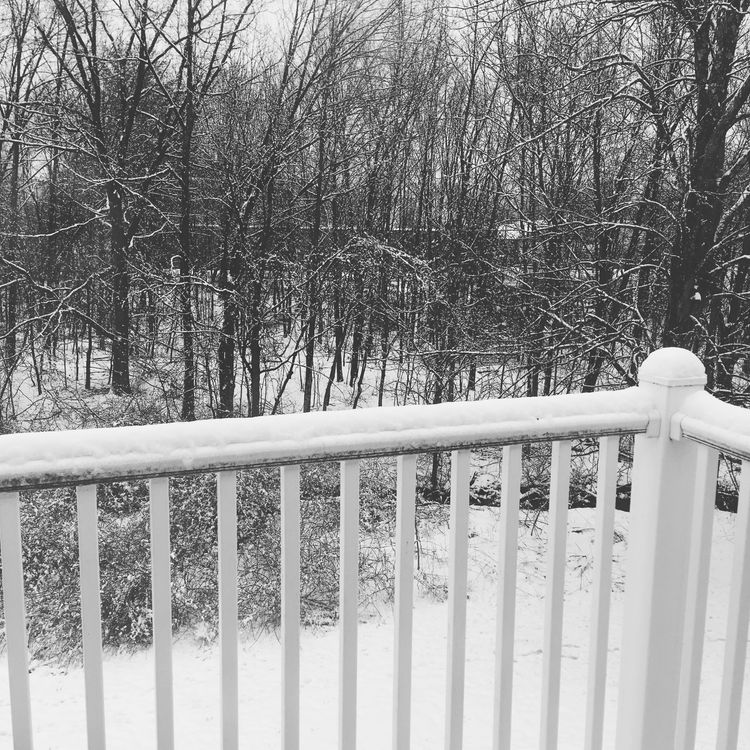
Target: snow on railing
[(667, 584), (51, 459)]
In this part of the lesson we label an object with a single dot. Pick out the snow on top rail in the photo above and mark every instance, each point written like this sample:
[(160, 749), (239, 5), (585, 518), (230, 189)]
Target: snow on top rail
[(53, 459), (707, 420)]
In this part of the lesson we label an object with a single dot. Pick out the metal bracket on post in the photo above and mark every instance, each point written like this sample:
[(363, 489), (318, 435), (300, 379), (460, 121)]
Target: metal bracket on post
[(675, 426), (658, 555)]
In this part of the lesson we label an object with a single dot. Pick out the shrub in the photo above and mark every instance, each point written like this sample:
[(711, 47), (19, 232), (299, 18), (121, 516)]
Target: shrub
[(50, 549)]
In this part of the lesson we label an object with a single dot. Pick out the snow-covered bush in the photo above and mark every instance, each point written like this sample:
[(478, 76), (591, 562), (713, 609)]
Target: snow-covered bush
[(50, 546), (50, 557)]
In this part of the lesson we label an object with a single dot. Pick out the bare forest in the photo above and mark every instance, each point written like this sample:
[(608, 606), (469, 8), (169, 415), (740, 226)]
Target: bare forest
[(215, 209), (209, 201)]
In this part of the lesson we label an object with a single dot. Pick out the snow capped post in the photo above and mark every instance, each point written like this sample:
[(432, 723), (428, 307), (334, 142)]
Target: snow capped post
[(658, 557)]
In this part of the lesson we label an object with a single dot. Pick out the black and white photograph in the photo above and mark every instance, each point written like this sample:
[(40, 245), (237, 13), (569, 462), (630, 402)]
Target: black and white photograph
[(374, 374)]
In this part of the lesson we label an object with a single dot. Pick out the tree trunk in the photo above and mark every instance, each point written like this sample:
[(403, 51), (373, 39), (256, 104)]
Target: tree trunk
[(186, 255), (12, 295), (310, 351), (120, 297), (87, 382), (691, 281), (226, 339), (254, 344)]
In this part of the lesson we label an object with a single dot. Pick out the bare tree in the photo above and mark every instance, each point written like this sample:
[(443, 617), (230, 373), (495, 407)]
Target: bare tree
[(124, 128)]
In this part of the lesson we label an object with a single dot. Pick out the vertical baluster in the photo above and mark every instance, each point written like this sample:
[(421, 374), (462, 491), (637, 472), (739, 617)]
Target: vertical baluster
[(290, 606), (348, 600), (161, 595), (606, 490), (457, 571), (506, 596), (227, 523), (15, 620), (558, 518), (403, 600), (91, 621), (737, 622), (704, 502)]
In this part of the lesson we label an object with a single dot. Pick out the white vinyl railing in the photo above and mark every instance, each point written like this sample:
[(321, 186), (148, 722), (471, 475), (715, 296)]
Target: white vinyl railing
[(679, 430)]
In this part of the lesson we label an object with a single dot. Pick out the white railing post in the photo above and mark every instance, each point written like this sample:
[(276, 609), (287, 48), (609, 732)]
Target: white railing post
[(658, 557)]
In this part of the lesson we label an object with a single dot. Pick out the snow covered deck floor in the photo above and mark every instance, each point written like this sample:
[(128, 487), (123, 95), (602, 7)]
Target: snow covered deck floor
[(679, 432)]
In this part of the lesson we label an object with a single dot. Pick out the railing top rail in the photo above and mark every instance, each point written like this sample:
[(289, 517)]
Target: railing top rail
[(707, 420), (54, 459)]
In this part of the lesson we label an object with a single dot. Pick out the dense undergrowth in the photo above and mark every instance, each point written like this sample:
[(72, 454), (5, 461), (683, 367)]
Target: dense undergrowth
[(50, 548)]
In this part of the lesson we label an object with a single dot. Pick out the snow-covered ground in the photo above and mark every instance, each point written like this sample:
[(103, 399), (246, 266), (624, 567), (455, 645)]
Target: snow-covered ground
[(63, 403), (57, 693)]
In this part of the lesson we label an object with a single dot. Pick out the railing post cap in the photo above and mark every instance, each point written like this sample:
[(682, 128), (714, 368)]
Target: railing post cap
[(672, 366)]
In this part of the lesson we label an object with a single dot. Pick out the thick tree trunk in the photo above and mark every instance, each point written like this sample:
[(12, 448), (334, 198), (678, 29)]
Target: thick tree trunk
[(691, 282), (226, 360), (120, 300)]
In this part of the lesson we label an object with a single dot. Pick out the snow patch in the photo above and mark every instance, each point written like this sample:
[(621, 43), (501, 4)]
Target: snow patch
[(672, 366)]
